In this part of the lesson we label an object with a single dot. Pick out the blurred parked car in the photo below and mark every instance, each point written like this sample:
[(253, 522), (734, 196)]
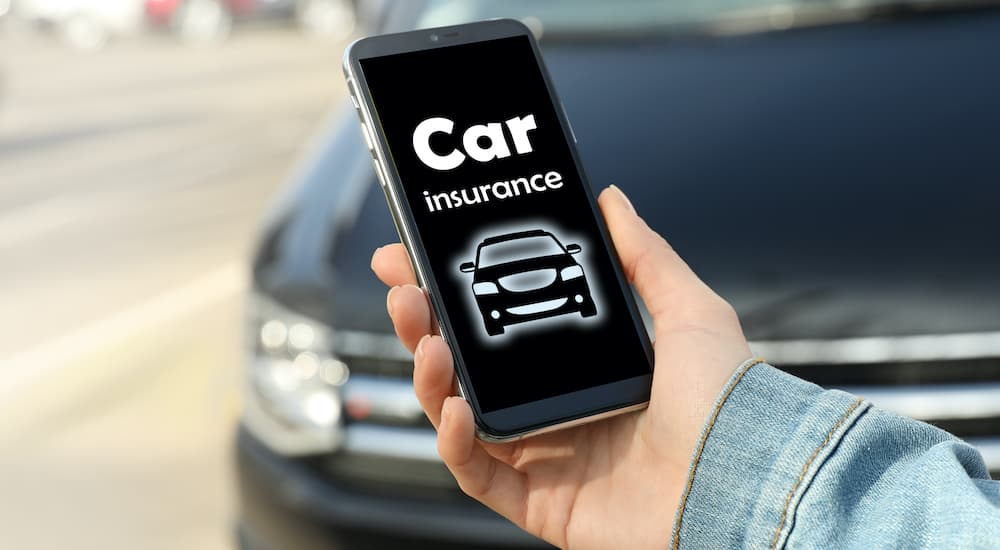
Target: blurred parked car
[(210, 20), (84, 24), (832, 172)]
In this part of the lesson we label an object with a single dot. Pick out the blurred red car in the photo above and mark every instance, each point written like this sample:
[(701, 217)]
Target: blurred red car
[(211, 20)]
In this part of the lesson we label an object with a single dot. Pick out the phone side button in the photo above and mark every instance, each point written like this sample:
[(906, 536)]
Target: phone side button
[(352, 92), (368, 136), (380, 172)]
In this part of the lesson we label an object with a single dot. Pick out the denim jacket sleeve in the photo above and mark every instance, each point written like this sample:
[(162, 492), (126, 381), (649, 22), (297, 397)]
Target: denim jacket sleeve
[(784, 463)]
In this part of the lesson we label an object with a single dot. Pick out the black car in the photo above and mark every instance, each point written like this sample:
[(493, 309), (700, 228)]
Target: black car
[(831, 172), (527, 276)]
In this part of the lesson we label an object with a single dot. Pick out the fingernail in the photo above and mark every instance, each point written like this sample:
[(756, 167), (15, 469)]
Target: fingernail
[(623, 197), (388, 300), (372, 263)]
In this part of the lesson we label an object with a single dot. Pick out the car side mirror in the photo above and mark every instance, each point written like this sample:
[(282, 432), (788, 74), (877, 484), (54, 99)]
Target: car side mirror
[(467, 267), (573, 248)]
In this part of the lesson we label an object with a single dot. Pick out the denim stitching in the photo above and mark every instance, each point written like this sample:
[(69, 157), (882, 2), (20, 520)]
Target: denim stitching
[(701, 447), (805, 469)]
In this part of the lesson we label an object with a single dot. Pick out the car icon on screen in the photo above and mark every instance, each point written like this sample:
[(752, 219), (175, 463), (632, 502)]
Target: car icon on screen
[(526, 276)]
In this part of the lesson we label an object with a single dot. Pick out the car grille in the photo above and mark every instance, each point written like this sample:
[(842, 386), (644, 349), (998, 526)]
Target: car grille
[(950, 381), (378, 367), (915, 373), (380, 388), (529, 280), (389, 442)]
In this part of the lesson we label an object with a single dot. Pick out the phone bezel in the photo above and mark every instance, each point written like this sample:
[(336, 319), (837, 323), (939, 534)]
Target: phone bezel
[(537, 416)]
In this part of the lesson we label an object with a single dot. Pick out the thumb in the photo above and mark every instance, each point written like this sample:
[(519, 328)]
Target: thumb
[(658, 273)]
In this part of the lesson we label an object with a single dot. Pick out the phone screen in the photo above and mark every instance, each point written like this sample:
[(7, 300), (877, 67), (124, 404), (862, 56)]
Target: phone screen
[(528, 286)]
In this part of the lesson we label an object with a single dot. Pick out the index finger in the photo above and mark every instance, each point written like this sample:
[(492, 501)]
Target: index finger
[(392, 265)]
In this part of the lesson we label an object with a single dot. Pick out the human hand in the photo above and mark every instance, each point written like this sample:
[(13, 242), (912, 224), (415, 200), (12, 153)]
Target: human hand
[(615, 483)]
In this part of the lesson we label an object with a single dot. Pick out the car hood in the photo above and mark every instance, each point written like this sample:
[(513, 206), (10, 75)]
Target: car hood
[(832, 182)]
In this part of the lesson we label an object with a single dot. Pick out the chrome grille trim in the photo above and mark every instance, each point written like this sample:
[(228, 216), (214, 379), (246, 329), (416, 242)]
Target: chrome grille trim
[(880, 349), (421, 444), (384, 398), (938, 402), (417, 444), (372, 345)]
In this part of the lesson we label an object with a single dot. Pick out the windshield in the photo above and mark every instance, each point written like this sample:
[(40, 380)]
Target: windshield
[(518, 249), (583, 17)]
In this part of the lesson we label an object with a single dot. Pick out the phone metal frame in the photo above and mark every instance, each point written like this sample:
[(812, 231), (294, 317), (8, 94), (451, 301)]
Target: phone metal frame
[(634, 392)]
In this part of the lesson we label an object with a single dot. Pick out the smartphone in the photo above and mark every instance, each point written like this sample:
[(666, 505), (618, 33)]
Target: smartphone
[(479, 166)]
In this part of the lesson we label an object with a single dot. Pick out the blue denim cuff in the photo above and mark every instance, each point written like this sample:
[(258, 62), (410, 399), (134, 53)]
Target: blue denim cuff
[(766, 439)]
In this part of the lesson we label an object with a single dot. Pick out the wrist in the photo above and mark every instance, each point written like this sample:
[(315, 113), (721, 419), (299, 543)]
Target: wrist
[(767, 436)]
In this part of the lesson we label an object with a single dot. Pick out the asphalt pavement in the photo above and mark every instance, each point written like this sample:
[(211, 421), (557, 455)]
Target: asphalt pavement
[(132, 181)]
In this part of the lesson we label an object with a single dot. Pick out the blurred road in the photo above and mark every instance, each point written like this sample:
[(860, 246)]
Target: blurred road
[(131, 183)]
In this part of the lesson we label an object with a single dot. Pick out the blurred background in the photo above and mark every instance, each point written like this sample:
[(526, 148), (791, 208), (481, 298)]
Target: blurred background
[(194, 353), (140, 142)]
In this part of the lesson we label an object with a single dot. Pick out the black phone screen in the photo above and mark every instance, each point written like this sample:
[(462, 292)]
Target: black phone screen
[(528, 286)]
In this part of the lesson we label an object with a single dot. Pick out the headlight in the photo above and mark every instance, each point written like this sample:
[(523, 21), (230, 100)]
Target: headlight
[(571, 272), (485, 288), (293, 401)]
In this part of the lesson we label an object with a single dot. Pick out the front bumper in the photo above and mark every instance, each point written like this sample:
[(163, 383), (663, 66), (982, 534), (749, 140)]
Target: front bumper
[(285, 503)]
